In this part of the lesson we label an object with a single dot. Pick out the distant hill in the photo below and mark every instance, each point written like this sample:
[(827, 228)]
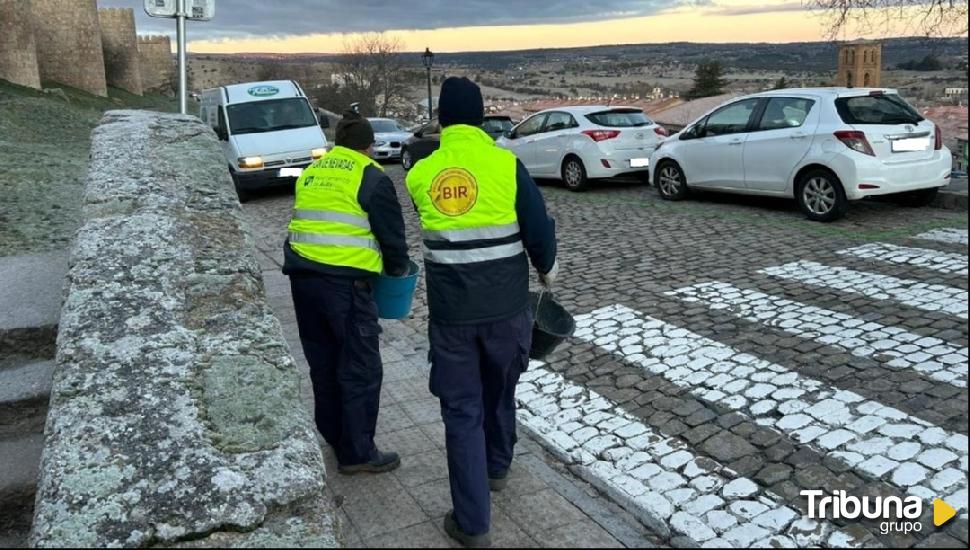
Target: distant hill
[(798, 56)]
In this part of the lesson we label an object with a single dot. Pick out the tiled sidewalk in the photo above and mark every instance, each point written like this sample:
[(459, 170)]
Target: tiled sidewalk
[(542, 507)]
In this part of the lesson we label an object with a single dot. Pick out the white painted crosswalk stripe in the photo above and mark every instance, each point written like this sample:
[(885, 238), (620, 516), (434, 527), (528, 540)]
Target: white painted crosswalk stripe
[(880, 441), (949, 236), (656, 478), (932, 357), (928, 297), (934, 260)]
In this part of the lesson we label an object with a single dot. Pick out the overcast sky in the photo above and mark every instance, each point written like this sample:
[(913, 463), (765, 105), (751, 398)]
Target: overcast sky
[(247, 18), (290, 26)]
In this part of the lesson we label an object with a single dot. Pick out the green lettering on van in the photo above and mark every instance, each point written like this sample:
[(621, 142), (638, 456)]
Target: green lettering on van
[(263, 91)]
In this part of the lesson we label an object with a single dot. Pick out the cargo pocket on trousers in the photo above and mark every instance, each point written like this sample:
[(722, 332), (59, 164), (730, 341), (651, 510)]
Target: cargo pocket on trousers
[(365, 313)]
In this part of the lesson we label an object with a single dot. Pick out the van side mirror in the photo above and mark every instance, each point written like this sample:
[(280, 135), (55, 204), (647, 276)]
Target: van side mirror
[(222, 134), (324, 121)]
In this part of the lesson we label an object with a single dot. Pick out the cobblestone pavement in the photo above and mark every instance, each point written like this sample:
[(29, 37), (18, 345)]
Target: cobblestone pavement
[(729, 354)]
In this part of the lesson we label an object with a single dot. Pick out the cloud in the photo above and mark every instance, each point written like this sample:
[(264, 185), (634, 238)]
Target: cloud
[(757, 10), (269, 18)]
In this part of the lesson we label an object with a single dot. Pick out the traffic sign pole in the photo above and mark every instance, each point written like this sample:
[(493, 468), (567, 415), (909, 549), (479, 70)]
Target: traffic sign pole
[(183, 59)]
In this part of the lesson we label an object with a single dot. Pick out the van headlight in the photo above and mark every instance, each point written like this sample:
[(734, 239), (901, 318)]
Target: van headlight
[(251, 162), (317, 153)]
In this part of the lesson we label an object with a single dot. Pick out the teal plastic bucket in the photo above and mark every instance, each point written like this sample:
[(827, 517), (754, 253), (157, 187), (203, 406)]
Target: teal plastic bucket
[(394, 295)]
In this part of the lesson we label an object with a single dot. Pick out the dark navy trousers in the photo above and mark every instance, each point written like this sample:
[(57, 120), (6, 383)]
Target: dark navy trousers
[(474, 371), (341, 340)]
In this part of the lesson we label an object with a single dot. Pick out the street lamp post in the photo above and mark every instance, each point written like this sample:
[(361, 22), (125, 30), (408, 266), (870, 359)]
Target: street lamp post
[(428, 59)]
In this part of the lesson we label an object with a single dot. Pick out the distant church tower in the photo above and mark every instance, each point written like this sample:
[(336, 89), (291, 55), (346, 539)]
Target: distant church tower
[(860, 65)]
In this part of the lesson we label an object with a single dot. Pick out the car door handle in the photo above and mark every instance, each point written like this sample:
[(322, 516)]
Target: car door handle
[(736, 142), (799, 136)]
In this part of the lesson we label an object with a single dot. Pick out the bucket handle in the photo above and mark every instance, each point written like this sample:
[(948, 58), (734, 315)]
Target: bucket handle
[(542, 293)]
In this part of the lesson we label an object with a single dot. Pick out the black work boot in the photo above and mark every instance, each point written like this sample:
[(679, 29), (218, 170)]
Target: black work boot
[(497, 482), (466, 540), (385, 462)]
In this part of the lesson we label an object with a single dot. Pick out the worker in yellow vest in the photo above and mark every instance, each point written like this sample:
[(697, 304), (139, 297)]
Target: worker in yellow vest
[(347, 227), (483, 220)]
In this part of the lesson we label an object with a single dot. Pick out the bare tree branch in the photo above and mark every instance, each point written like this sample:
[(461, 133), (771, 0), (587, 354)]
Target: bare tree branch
[(374, 68), (931, 18)]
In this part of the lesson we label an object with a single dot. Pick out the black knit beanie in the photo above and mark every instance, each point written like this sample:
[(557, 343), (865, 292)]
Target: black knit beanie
[(460, 102), (354, 132)]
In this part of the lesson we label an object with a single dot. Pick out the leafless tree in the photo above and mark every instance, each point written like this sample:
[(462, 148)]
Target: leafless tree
[(375, 69), (931, 18)]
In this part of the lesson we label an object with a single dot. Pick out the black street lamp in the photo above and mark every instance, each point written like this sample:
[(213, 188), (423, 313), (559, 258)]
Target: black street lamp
[(428, 59)]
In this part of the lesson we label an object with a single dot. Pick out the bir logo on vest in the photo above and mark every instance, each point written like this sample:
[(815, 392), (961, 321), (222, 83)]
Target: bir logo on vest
[(454, 192)]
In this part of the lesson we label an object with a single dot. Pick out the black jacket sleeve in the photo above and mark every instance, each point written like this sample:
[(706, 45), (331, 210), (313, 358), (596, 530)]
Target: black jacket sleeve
[(538, 229), (378, 198)]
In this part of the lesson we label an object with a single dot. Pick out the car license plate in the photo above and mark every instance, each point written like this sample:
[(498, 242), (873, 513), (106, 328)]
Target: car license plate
[(912, 144), (290, 172), (639, 163)]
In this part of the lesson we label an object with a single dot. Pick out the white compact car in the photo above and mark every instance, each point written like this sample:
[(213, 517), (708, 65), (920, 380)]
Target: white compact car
[(823, 146), (388, 137), (578, 144)]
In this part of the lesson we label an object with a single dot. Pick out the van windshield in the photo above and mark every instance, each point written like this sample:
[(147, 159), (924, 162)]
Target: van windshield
[(260, 117)]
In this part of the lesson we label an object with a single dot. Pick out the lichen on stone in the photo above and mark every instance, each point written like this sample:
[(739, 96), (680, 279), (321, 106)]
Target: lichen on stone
[(175, 417)]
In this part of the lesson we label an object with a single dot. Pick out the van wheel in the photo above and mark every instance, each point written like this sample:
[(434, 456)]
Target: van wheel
[(821, 197), (574, 174), (671, 182), (407, 161), (241, 193), (917, 199), (244, 196)]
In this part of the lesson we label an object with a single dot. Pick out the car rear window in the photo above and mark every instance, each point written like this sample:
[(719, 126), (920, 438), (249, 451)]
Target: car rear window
[(497, 124), (876, 109), (618, 118)]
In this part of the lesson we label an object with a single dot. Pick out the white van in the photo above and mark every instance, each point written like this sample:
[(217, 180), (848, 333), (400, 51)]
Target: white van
[(268, 130)]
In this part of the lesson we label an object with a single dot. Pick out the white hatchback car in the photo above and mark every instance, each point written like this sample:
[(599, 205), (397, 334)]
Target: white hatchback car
[(822, 146), (577, 144)]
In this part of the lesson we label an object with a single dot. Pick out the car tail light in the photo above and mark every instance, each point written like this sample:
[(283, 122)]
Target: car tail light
[(939, 137), (602, 135), (856, 141), (661, 131)]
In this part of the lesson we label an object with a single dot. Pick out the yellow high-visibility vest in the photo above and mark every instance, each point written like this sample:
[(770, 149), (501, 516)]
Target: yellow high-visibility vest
[(465, 191), (329, 226)]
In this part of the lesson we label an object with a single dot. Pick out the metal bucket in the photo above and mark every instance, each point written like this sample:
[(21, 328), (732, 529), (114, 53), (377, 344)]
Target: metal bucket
[(552, 325)]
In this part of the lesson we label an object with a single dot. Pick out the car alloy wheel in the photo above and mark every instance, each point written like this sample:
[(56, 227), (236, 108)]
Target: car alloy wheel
[(819, 196), (574, 175), (669, 180)]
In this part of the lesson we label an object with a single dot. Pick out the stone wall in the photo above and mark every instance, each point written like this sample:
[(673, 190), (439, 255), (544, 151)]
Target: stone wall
[(157, 64), (18, 54), (175, 416), (119, 42), (68, 39)]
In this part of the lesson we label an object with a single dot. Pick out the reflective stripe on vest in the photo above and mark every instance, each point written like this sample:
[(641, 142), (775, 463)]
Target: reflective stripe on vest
[(474, 255), (332, 240), (327, 216), (329, 226), (465, 192), (476, 234)]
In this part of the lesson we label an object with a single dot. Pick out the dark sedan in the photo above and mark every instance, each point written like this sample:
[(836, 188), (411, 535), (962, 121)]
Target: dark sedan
[(427, 138)]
